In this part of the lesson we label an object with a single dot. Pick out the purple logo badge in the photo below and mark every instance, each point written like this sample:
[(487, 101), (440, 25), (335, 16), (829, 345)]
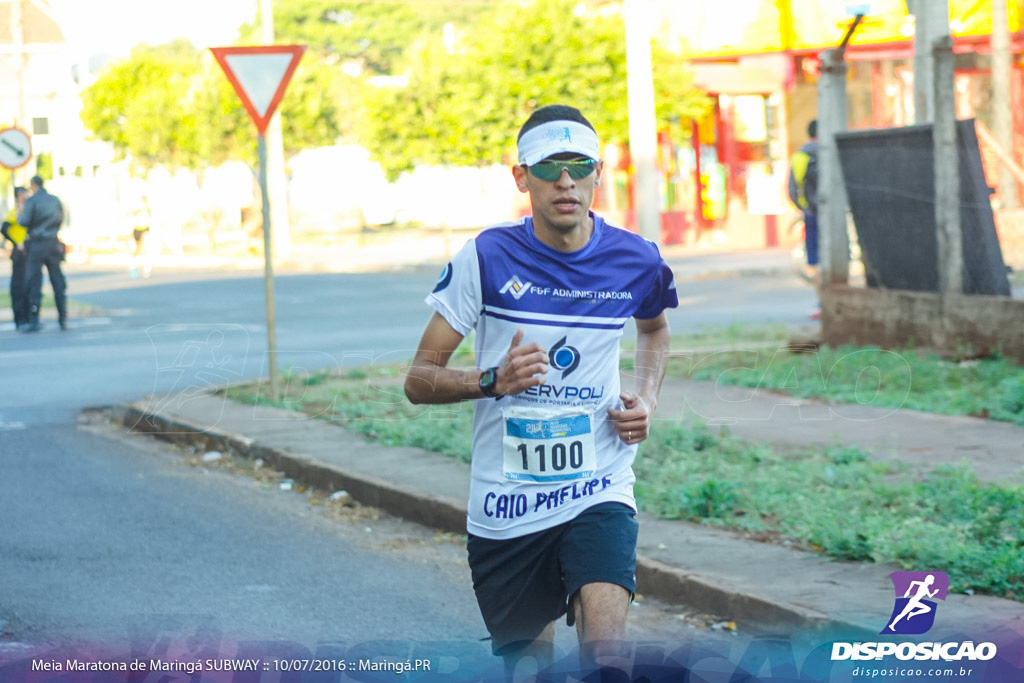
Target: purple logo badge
[(916, 593)]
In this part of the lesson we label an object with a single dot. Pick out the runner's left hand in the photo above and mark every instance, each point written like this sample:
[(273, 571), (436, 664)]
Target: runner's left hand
[(633, 420)]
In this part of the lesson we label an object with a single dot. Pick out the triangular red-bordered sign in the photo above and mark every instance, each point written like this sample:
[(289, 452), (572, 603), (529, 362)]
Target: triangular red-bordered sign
[(260, 75)]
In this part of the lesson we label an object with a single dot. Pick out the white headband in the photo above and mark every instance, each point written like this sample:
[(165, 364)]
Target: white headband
[(555, 137)]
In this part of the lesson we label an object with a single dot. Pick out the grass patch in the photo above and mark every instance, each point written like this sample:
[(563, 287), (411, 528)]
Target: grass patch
[(836, 501), (839, 502), (990, 388), (370, 402)]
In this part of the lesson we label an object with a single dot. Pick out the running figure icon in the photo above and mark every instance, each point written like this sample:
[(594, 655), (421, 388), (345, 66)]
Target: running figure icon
[(915, 606)]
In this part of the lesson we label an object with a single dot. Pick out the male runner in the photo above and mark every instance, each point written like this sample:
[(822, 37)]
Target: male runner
[(552, 522)]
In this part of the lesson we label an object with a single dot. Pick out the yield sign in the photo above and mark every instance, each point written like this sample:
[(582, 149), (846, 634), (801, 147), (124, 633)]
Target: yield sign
[(260, 75)]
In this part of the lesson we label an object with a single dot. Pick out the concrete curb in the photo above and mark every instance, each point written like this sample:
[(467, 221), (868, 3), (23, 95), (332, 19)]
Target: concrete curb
[(710, 595), (401, 501), (669, 584)]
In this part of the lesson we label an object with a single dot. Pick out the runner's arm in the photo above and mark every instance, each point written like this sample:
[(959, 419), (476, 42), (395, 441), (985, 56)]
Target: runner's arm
[(653, 337), (430, 380), (633, 420)]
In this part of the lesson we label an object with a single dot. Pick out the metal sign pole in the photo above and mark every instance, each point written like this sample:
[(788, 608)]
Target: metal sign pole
[(259, 76), (268, 267)]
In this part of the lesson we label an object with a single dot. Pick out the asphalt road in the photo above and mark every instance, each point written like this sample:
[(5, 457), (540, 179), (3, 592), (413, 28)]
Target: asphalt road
[(98, 536), (117, 533)]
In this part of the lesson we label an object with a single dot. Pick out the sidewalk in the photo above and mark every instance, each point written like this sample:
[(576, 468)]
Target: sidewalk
[(763, 588)]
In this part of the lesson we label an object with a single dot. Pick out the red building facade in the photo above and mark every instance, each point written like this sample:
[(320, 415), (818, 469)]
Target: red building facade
[(759, 59)]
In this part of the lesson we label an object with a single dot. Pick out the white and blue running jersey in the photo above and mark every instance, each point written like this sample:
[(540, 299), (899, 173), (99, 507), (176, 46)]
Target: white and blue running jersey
[(541, 457)]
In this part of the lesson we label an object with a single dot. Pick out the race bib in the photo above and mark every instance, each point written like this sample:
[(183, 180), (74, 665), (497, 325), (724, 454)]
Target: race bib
[(545, 445)]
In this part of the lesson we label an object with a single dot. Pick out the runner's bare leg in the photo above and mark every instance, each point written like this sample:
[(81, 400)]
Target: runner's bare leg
[(601, 625), (541, 651)]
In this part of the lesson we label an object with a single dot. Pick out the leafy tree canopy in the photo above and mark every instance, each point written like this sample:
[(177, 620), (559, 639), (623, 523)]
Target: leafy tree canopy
[(377, 34), (470, 70), (147, 105), (463, 106), (172, 105)]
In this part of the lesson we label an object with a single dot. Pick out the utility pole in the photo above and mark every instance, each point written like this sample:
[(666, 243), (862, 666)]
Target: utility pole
[(643, 132), (277, 182), (931, 22), (21, 61), (834, 263), (949, 236), (923, 91), (1002, 124), (935, 102)]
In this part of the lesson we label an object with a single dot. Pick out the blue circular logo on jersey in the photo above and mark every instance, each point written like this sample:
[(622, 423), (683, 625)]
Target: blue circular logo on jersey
[(445, 279), (564, 357)]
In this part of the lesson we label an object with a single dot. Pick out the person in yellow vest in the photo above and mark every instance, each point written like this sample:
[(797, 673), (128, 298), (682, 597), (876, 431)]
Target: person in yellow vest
[(803, 192), (14, 233)]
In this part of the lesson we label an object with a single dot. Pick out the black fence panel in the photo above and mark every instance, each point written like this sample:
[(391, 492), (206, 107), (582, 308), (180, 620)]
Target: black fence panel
[(889, 176)]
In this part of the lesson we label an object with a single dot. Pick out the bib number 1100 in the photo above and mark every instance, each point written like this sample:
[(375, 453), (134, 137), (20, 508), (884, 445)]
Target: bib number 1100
[(543, 448), (561, 456)]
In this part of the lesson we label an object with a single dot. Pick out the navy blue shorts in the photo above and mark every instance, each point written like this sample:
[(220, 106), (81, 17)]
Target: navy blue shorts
[(523, 584)]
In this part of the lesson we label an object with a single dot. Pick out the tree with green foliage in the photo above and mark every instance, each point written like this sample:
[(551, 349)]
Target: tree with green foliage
[(472, 71), (172, 105), (359, 41), (462, 105), (378, 36), (146, 105)]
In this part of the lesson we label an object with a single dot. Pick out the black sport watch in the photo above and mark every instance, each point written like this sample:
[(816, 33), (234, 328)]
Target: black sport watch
[(489, 382)]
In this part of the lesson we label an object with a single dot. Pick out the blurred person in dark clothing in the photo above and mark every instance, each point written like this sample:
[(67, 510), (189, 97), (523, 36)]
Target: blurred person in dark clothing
[(42, 217)]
